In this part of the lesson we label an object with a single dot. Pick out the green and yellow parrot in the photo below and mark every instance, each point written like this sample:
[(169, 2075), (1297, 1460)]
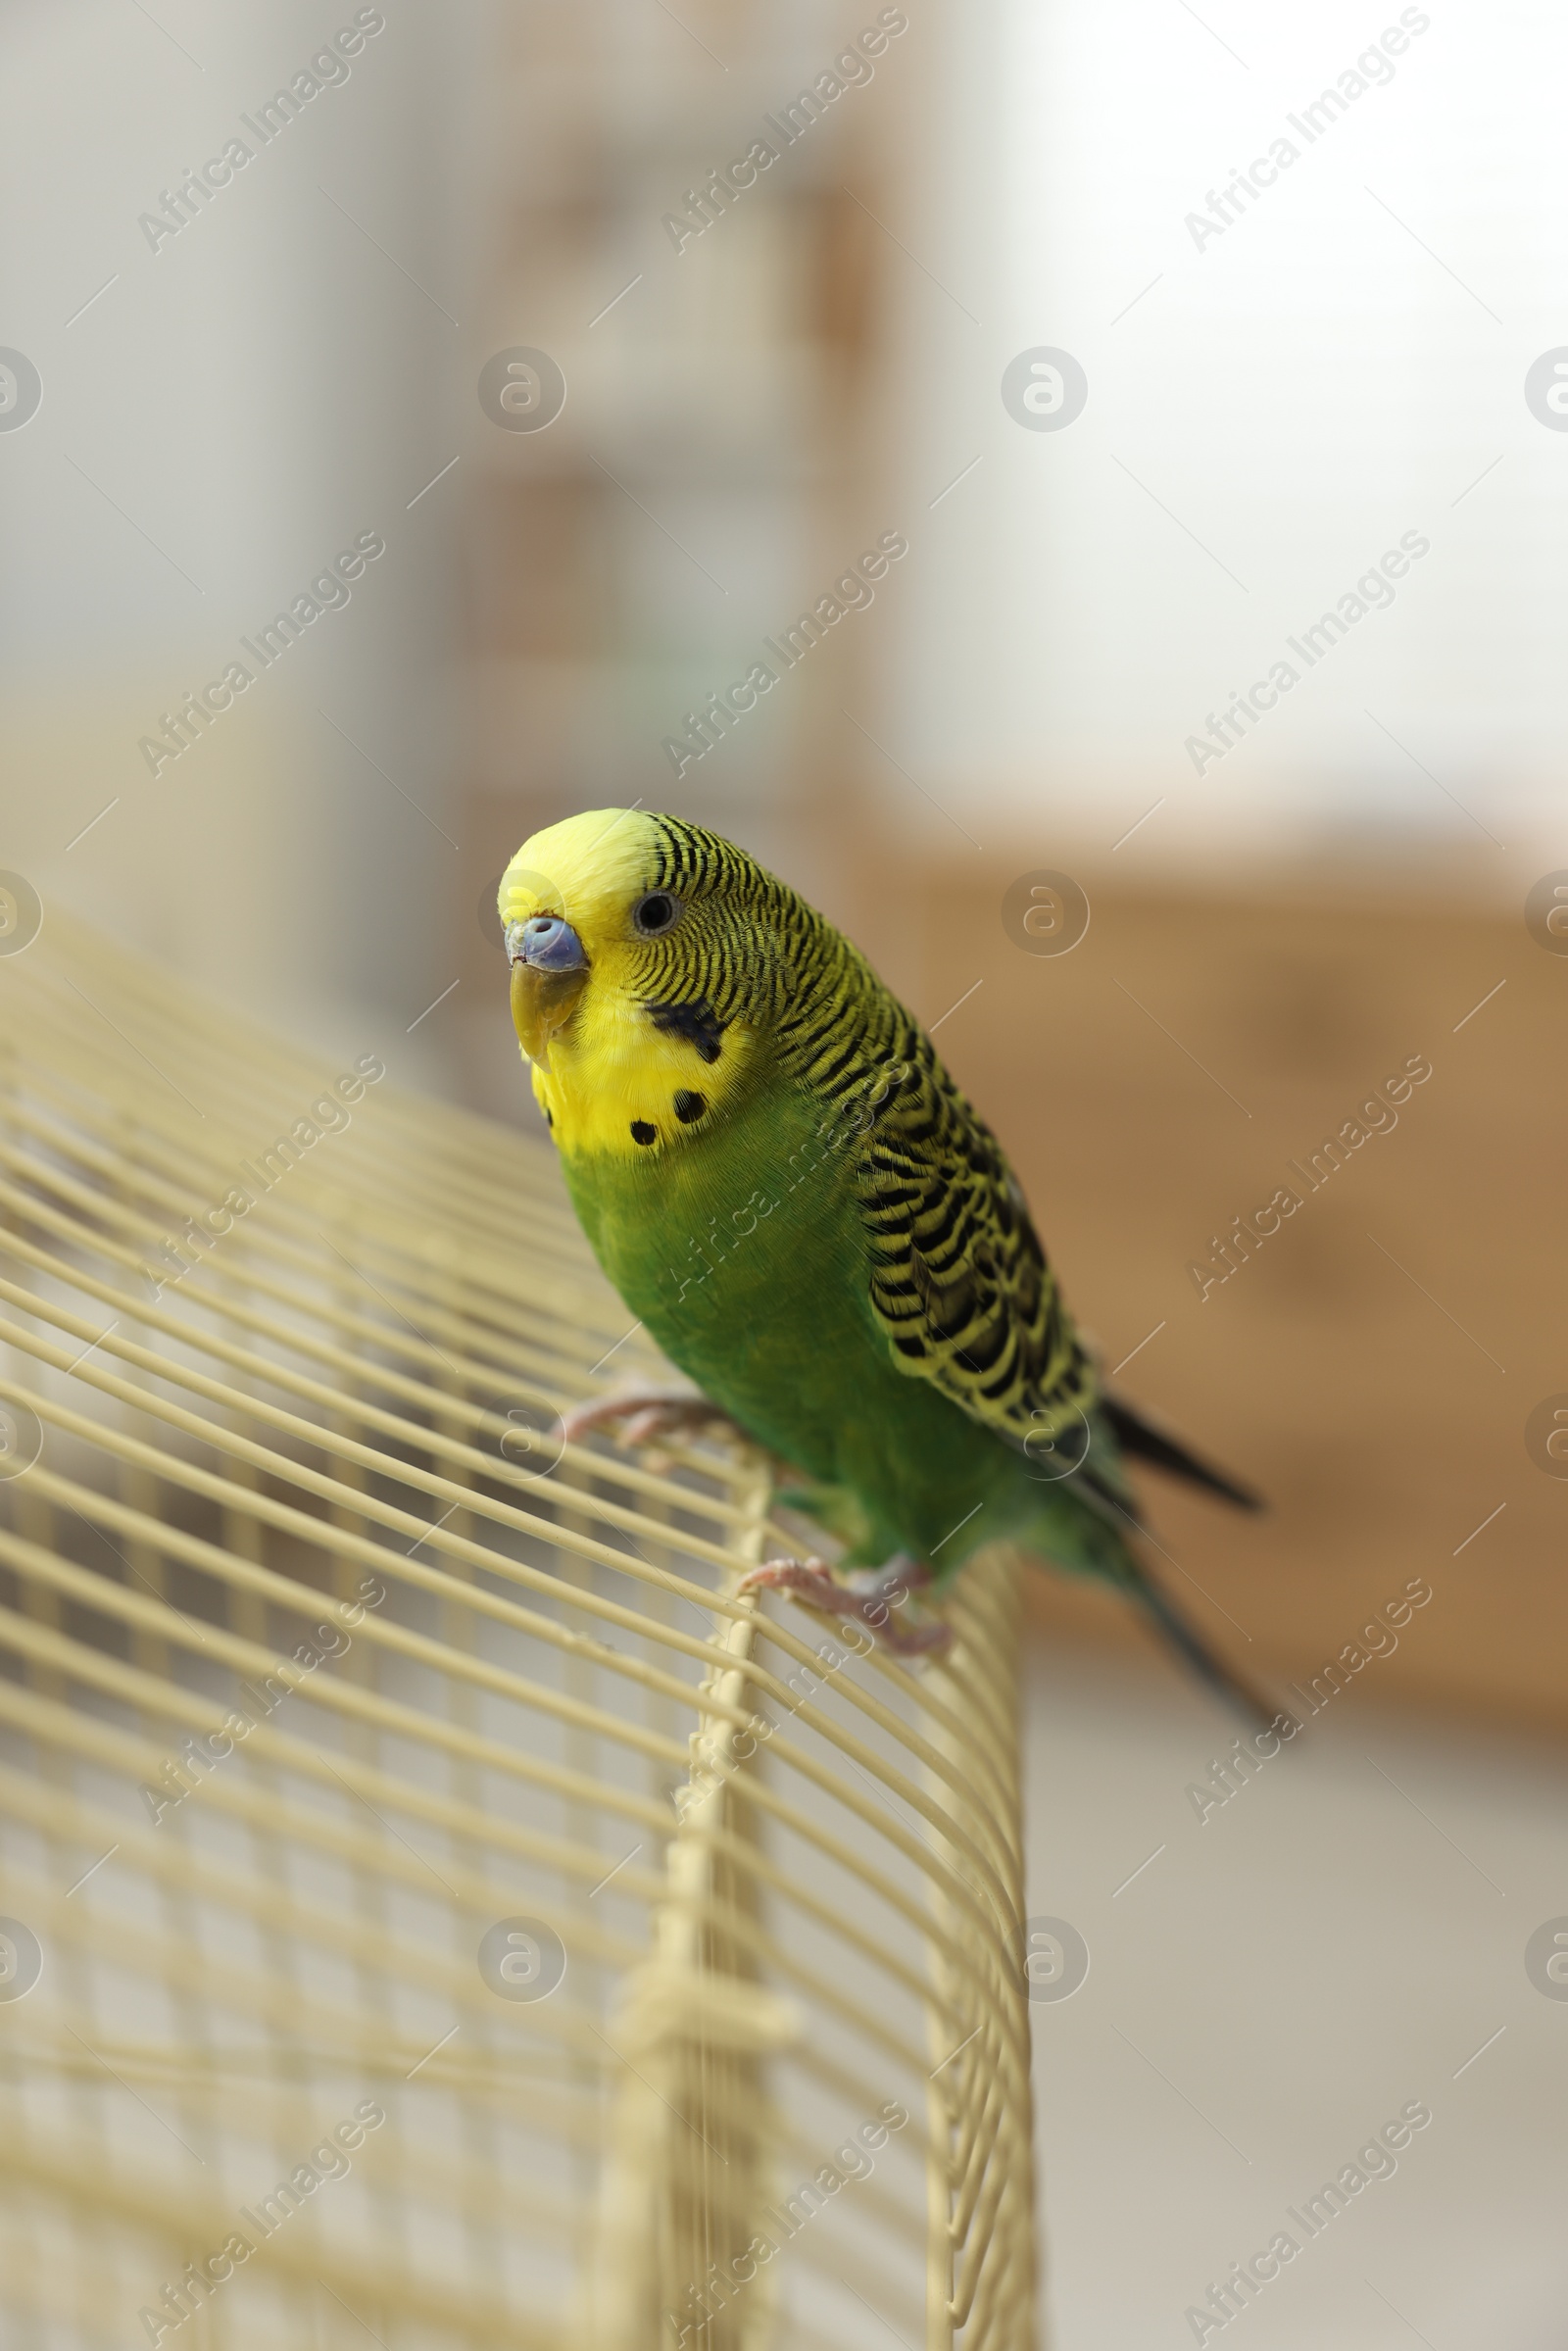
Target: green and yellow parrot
[(795, 1199)]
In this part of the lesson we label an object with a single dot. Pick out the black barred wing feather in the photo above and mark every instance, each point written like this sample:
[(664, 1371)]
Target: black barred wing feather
[(959, 1279)]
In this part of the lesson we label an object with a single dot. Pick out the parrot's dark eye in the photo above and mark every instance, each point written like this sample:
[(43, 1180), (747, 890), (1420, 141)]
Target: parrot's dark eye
[(654, 915)]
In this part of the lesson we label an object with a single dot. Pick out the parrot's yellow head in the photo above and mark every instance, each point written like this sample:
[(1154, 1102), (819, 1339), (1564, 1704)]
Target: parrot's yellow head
[(645, 956)]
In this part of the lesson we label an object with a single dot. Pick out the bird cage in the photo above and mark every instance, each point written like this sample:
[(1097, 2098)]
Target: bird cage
[(435, 1910)]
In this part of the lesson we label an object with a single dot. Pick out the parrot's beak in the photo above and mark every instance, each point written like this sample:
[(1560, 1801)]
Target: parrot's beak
[(549, 973)]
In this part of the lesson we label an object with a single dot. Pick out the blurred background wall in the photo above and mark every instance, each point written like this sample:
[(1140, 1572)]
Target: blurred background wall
[(240, 378), (1039, 296)]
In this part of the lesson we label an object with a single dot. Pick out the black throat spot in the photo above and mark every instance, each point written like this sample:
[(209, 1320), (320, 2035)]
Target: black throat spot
[(697, 1023)]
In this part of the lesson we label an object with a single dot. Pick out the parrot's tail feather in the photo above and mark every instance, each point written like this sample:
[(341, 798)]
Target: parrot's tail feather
[(1102, 1547), (1114, 1503), (1146, 1439), (1206, 1662)]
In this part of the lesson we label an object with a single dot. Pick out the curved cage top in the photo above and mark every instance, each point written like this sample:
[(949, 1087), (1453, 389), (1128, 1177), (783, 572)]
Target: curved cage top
[(434, 1908)]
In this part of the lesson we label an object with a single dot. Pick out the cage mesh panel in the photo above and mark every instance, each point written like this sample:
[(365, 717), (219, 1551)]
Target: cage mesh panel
[(325, 1665)]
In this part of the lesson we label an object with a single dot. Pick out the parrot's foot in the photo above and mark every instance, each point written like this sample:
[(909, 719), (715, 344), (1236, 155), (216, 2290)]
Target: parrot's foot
[(869, 1600), (649, 1414)]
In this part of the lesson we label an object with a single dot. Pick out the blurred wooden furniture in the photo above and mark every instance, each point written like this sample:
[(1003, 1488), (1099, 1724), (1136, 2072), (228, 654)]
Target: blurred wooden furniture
[(1372, 1367)]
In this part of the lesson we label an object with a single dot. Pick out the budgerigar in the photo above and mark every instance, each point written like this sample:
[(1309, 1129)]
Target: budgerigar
[(795, 1199)]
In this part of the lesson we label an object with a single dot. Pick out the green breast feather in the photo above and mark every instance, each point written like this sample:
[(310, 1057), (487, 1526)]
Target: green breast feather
[(845, 1263), (816, 1225)]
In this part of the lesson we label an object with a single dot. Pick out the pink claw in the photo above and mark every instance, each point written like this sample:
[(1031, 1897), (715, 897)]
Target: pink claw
[(649, 1414), (872, 1604)]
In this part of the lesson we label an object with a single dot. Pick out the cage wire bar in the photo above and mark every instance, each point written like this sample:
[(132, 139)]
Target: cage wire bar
[(434, 1908)]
